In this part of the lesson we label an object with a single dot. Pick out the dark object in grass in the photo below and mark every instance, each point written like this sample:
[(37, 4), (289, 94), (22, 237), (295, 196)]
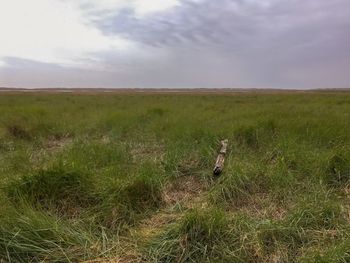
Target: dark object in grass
[(17, 131), (220, 160)]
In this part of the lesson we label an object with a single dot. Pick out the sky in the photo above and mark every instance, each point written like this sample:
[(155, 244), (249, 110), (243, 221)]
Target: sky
[(285, 44)]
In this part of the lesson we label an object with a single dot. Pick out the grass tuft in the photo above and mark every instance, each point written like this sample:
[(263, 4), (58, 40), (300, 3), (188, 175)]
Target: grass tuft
[(235, 188), (338, 170), (279, 240), (319, 215), (200, 236), (247, 135), (125, 201), (57, 188), (34, 236)]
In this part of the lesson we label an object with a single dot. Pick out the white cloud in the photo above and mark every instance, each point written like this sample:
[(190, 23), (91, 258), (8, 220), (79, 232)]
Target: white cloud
[(140, 7), (51, 31), (144, 7)]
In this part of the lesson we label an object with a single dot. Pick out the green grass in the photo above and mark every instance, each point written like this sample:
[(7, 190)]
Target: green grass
[(128, 177)]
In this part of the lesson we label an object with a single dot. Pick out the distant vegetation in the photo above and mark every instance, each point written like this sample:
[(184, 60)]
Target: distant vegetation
[(128, 177)]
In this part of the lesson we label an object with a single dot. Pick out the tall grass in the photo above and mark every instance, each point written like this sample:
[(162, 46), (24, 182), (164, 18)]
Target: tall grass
[(83, 176)]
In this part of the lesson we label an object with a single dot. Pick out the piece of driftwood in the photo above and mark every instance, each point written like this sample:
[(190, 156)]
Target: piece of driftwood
[(220, 160)]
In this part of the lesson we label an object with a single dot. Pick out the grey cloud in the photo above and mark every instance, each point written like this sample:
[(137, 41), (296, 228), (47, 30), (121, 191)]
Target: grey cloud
[(233, 24), (274, 43), (222, 43)]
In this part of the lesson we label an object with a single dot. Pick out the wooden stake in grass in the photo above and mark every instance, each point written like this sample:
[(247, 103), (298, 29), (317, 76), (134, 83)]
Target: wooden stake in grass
[(219, 165)]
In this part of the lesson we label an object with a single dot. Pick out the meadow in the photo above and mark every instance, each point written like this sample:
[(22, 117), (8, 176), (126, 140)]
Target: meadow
[(127, 177)]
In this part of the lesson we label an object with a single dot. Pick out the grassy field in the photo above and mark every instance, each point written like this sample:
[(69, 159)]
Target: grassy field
[(128, 177)]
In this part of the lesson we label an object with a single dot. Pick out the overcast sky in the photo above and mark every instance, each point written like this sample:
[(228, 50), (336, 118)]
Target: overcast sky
[(175, 43)]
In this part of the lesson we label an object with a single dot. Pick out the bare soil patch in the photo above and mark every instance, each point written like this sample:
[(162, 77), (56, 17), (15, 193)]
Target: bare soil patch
[(184, 189)]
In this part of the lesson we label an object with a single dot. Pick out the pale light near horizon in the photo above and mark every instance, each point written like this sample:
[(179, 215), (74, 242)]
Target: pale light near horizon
[(53, 31)]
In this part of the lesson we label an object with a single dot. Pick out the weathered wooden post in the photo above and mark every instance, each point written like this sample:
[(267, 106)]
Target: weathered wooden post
[(220, 160)]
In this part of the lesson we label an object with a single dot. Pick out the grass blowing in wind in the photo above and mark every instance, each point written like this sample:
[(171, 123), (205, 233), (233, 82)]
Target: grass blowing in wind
[(128, 177)]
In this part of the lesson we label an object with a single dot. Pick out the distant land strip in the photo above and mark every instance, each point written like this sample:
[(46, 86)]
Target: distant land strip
[(169, 90)]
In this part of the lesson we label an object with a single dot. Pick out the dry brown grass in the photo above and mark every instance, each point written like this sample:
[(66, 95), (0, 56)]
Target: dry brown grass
[(183, 190)]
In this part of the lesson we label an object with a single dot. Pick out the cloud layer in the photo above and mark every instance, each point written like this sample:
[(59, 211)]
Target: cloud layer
[(179, 43)]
